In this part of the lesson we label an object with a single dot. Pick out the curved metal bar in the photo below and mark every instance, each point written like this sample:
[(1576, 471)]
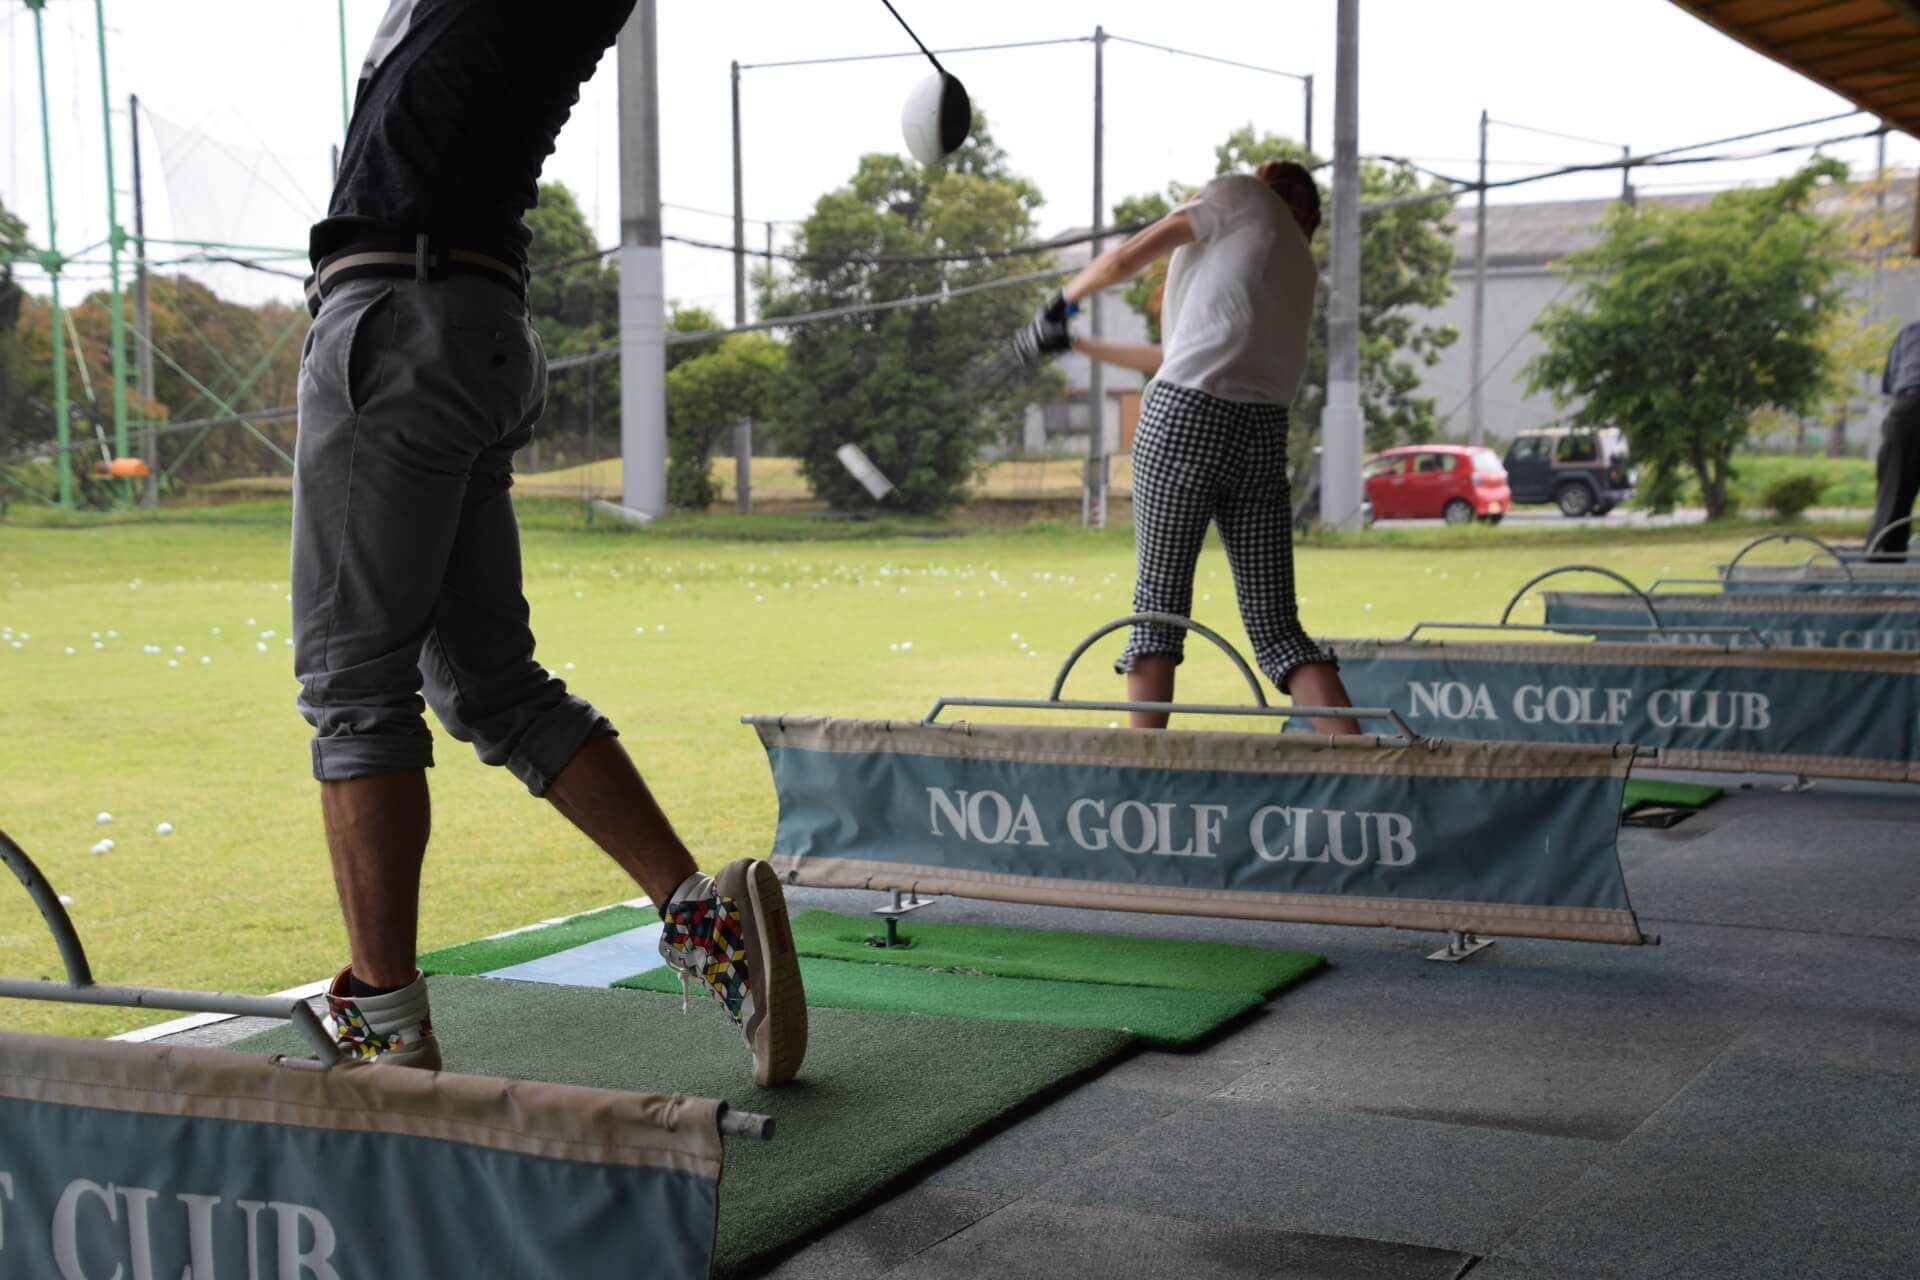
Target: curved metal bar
[(1873, 544), (1538, 578), (1788, 536), (72, 954), (1165, 620)]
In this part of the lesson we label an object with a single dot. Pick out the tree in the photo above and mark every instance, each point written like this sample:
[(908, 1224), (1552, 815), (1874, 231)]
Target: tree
[(1690, 321), (708, 393), (1406, 259), (573, 296), (893, 382), (13, 243)]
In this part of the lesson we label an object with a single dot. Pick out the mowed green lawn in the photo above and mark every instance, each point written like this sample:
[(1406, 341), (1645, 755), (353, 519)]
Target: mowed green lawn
[(673, 637)]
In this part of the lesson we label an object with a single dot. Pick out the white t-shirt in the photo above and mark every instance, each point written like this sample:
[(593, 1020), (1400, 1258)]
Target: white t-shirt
[(1239, 300)]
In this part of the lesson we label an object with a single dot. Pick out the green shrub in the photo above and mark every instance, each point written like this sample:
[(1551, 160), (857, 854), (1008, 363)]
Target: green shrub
[(1789, 495)]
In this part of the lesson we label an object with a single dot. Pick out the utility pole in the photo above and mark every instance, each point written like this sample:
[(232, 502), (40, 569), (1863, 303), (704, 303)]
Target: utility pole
[(1340, 434), (62, 427), (1626, 174), (115, 237), (1094, 502), (743, 429), (143, 316), (643, 364), (1306, 85), (346, 107), (1476, 413)]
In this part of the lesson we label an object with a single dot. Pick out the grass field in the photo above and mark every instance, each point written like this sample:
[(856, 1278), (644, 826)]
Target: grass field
[(673, 632)]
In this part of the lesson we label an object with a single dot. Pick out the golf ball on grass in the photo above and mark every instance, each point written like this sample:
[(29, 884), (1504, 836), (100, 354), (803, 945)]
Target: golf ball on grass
[(163, 829), (104, 846), (103, 817)]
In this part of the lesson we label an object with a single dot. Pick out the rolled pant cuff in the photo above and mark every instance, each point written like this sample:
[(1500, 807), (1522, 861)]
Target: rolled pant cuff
[(1280, 674), (551, 742), (344, 757)]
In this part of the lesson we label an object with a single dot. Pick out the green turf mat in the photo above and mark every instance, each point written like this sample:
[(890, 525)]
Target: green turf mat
[(488, 954), (880, 1095), (1691, 795), (1057, 956), (1163, 1017)]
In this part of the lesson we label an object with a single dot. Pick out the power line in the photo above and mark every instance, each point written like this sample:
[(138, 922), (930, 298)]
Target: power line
[(810, 317), (1208, 57)]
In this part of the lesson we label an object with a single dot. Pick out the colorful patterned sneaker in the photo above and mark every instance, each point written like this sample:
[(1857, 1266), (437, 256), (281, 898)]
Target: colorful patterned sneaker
[(730, 933), (393, 1030)]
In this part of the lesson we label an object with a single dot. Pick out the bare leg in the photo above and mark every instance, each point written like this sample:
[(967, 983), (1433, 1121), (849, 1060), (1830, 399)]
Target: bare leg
[(601, 793), (1317, 684), (1151, 680), (377, 836)]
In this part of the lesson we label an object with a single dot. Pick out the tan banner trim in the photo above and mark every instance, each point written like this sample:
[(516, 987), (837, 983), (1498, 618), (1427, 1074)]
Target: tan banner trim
[(526, 1117), (1573, 924), (1273, 753), (1605, 654), (1813, 766)]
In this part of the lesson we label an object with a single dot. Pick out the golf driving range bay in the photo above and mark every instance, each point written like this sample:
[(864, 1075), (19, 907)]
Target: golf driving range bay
[(146, 674)]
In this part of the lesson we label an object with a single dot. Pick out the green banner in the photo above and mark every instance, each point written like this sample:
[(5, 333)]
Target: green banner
[(1163, 820), (1823, 712), (1810, 620), (151, 1163)]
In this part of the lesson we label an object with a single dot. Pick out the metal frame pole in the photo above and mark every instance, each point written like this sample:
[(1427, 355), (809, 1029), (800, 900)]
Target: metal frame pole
[(1095, 502), (1476, 414), (1626, 174), (143, 316), (1306, 86), (346, 101), (643, 369), (742, 430), (1342, 425), (115, 237), (51, 261)]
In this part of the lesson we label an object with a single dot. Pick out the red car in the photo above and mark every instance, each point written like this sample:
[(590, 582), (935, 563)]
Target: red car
[(1453, 482)]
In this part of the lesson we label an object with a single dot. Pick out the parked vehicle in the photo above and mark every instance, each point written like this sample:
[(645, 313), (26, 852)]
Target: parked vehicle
[(1585, 471), (1455, 483)]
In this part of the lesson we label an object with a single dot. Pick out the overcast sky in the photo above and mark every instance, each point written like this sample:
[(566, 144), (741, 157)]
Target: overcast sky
[(245, 102)]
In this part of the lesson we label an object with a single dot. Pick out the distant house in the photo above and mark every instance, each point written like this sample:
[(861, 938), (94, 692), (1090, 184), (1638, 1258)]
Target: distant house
[(1524, 241), (1062, 426)]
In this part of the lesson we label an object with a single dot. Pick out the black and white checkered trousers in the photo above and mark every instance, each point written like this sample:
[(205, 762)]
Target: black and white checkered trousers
[(1197, 459)]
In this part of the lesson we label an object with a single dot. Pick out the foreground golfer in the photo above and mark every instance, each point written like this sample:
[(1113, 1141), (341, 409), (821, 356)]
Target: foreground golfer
[(1212, 443), (421, 376)]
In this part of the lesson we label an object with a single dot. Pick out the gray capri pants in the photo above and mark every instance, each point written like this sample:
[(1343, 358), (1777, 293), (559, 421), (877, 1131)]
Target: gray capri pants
[(406, 555)]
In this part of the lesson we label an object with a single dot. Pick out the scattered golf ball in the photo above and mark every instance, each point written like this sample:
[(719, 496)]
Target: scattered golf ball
[(173, 662), (69, 650), (261, 645), (104, 846), (163, 829), (216, 631), (906, 644), (179, 648), (103, 817), (1367, 605), (66, 900), (568, 667)]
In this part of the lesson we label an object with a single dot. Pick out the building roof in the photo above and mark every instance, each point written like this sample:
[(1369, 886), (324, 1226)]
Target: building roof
[(1867, 51)]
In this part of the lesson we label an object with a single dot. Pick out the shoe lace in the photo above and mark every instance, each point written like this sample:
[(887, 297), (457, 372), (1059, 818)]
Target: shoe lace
[(353, 1034), (705, 938)]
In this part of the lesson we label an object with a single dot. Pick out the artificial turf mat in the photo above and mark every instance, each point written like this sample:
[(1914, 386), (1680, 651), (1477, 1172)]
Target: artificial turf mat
[(1690, 795), (1163, 1017), (880, 1095), (488, 954), (1050, 954)]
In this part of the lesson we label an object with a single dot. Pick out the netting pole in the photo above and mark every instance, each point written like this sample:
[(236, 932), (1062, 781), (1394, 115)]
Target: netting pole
[(115, 236), (143, 314), (51, 260), (346, 111)]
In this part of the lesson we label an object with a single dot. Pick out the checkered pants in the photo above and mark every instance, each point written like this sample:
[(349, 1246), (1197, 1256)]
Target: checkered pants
[(1198, 459)]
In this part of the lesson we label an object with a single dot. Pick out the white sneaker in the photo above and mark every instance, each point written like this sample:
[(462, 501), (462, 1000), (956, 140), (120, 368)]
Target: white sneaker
[(393, 1030)]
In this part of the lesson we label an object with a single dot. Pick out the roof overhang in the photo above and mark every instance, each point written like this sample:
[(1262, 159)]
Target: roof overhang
[(1867, 51)]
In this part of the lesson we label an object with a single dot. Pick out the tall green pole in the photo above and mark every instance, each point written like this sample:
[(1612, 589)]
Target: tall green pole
[(51, 260), (345, 108), (115, 238)]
